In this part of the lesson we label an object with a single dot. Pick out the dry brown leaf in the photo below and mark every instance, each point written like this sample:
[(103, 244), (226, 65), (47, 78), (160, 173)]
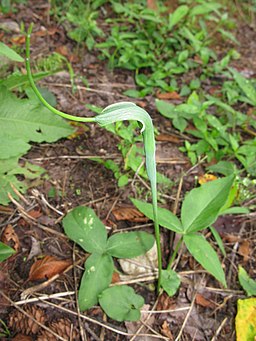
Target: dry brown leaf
[(35, 214), (168, 95), (165, 329), (129, 213), (115, 277), (47, 267), (202, 301), (18, 40), (168, 138), (230, 238), (152, 4), (10, 238), (63, 50), (244, 250), (206, 178)]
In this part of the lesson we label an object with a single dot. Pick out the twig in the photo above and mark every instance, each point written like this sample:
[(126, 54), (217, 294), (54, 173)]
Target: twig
[(219, 329), (186, 318)]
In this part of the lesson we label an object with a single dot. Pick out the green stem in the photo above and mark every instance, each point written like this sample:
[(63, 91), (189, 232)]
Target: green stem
[(175, 253), (40, 97)]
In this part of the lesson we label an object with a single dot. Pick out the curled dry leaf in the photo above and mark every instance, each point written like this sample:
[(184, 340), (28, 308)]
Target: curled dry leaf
[(206, 178), (47, 267), (244, 250), (168, 95), (129, 213), (165, 329), (9, 237)]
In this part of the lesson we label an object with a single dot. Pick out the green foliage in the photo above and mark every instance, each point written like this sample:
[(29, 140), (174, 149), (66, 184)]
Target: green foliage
[(5, 251), (9, 53), (121, 303), (84, 227), (247, 283), (23, 121), (170, 282), (199, 210)]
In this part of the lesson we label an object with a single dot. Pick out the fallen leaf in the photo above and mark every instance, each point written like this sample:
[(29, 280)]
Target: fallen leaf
[(230, 238), (21, 337), (165, 302), (203, 302), (206, 178), (168, 138), (115, 278), (168, 95), (35, 214), (152, 4), (18, 40), (244, 250), (10, 238), (63, 50), (165, 329), (246, 320), (47, 267), (129, 213)]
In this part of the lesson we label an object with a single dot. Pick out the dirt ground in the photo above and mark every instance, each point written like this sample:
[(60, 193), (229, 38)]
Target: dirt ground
[(201, 310)]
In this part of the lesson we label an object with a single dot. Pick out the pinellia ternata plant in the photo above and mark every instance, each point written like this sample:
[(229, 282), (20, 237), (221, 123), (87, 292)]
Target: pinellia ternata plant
[(200, 209)]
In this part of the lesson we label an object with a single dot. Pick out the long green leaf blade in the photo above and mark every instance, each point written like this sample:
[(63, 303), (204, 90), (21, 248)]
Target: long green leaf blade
[(202, 205), (5, 251), (166, 218), (202, 251)]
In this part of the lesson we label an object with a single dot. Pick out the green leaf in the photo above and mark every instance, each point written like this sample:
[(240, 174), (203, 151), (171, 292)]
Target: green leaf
[(5, 187), (202, 251), (245, 85), (129, 244), (166, 109), (132, 93), (84, 227), (201, 206), (223, 167), (170, 281), (218, 239), (121, 303), (5, 251), (166, 218), (28, 120), (11, 147), (97, 277), (9, 53), (17, 80), (248, 284), (236, 210), (178, 15)]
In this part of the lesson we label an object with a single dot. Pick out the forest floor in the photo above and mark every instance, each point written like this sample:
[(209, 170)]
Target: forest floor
[(202, 309)]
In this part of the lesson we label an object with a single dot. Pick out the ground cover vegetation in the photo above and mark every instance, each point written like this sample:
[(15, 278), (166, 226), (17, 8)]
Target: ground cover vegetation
[(209, 104)]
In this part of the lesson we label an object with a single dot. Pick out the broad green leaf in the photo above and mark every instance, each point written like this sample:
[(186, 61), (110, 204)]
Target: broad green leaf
[(223, 167), (218, 239), (166, 109), (9, 53), (16, 80), (5, 251), (97, 277), (202, 251), (121, 303), (129, 244), (11, 147), (246, 320), (247, 283), (28, 120), (84, 227), (245, 85), (178, 15), (5, 187), (165, 218), (201, 206), (204, 8), (170, 282)]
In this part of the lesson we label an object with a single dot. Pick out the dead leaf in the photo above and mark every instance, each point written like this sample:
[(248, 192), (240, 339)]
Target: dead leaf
[(35, 214), (230, 238), (10, 238), (130, 214), (168, 95), (47, 267), (203, 302), (244, 250), (63, 50), (115, 277), (166, 302), (18, 40), (169, 138), (206, 178), (165, 329), (152, 4)]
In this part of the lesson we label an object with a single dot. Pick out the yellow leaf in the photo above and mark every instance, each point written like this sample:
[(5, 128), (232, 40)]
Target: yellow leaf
[(246, 320)]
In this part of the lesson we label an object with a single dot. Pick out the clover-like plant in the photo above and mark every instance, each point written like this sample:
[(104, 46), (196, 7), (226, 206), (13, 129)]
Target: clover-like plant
[(114, 113)]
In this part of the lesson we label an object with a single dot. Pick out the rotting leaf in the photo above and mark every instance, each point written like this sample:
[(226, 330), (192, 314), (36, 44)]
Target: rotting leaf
[(165, 329), (204, 302), (47, 267), (246, 320), (130, 214), (9, 237)]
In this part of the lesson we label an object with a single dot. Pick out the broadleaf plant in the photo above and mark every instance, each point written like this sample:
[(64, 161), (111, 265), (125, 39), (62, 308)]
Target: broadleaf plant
[(83, 226)]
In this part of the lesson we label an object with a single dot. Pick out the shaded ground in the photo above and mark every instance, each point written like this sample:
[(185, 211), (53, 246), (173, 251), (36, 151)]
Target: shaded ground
[(201, 310)]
